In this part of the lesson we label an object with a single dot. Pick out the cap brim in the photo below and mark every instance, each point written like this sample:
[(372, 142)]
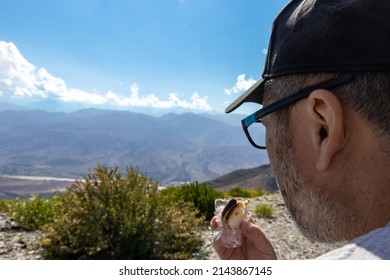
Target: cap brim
[(253, 94)]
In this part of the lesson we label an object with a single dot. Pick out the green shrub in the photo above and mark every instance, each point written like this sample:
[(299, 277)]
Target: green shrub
[(258, 192), (110, 215), (201, 195), (238, 192), (263, 210), (242, 192), (4, 206), (178, 233), (33, 213)]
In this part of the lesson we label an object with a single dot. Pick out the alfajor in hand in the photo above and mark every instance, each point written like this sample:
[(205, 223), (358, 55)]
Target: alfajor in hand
[(229, 216), (234, 212)]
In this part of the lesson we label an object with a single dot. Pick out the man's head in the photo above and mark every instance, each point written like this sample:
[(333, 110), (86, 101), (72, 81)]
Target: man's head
[(323, 148), (330, 150)]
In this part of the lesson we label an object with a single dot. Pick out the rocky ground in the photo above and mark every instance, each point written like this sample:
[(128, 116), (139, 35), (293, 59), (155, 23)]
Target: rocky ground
[(16, 244)]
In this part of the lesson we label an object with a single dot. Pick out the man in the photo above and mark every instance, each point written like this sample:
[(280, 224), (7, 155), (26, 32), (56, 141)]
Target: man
[(326, 111)]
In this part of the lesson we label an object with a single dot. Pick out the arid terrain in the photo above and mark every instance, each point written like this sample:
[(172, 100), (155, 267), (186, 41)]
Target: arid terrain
[(288, 241)]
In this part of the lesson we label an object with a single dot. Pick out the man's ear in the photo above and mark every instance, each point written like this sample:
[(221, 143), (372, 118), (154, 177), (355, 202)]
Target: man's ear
[(327, 126)]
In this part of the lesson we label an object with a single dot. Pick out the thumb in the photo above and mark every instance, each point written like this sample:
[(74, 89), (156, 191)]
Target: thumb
[(257, 238)]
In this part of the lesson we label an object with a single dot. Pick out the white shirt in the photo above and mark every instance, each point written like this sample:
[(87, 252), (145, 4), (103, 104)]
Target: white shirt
[(374, 245)]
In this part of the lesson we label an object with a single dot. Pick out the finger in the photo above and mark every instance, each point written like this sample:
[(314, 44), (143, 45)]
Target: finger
[(219, 248), (253, 233), (214, 223)]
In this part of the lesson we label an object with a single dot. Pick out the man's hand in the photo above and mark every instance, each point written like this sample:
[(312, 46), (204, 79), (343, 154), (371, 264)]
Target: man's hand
[(255, 246)]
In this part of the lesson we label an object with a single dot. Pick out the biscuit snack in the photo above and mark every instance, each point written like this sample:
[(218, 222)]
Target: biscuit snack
[(229, 214), (234, 212)]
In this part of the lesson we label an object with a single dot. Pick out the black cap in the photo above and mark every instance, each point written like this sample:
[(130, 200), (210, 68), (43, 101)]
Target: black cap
[(310, 36)]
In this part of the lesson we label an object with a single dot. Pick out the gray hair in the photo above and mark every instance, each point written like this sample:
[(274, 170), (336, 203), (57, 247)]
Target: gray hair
[(368, 94)]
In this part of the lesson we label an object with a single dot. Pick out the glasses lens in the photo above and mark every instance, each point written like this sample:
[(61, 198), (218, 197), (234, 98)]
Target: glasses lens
[(257, 133)]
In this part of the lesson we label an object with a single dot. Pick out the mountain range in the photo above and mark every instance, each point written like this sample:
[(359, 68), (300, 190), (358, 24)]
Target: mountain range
[(260, 177), (169, 148)]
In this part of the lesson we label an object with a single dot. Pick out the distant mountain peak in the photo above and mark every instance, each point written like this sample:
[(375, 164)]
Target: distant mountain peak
[(171, 148)]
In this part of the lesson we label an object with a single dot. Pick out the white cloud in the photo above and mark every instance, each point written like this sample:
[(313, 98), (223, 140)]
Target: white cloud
[(241, 85), (151, 100), (21, 79)]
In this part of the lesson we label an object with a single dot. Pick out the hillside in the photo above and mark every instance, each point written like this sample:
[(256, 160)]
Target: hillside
[(260, 177), (171, 148)]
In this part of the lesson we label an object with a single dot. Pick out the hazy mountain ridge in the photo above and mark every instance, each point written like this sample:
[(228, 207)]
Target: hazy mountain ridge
[(173, 147), (260, 177)]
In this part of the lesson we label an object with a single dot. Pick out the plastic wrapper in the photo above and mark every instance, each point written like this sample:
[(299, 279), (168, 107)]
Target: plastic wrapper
[(230, 237)]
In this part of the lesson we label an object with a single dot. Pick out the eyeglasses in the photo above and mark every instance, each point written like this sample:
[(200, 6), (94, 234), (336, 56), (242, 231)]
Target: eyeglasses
[(252, 125)]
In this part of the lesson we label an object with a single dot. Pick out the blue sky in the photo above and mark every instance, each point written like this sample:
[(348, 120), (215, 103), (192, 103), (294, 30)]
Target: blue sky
[(127, 54)]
